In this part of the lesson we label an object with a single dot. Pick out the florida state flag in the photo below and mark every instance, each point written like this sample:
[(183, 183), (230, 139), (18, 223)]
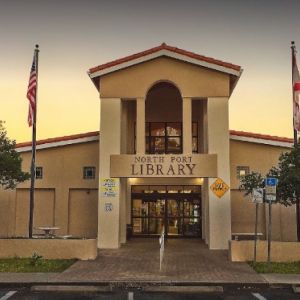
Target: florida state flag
[(296, 92)]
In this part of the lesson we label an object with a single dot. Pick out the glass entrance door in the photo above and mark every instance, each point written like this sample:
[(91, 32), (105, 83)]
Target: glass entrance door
[(148, 216), (174, 217), (178, 212)]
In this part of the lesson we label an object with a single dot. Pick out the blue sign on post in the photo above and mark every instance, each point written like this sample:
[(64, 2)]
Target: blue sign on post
[(270, 181)]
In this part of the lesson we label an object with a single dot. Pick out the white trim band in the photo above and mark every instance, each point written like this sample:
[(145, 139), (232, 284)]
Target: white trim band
[(168, 53), (261, 141), (59, 143), (96, 138)]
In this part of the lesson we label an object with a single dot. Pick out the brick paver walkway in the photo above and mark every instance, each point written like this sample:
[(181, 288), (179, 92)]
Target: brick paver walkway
[(186, 260)]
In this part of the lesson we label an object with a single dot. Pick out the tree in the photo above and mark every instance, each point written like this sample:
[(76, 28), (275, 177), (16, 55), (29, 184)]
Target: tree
[(251, 181), (288, 174), (10, 162)]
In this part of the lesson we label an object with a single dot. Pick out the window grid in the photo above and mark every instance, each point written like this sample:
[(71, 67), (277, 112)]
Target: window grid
[(39, 173), (89, 172), (242, 171), (165, 138)]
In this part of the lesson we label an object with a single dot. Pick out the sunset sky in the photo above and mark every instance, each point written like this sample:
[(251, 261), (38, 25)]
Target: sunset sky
[(76, 35)]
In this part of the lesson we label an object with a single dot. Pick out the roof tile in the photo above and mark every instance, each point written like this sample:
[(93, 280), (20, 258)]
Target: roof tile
[(164, 46), (261, 136), (59, 139), (96, 133)]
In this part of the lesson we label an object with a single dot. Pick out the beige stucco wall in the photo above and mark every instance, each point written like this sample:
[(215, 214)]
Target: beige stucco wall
[(259, 158), (243, 214), (49, 248), (62, 172), (44, 205), (192, 80), (280, 251), (83, 217), (218, 209), (68, 201), (110, 136)]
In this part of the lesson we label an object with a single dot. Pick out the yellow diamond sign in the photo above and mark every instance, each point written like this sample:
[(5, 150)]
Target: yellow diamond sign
[(219, 187)]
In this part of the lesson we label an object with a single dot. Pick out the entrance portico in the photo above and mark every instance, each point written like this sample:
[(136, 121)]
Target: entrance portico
[(164, 121)]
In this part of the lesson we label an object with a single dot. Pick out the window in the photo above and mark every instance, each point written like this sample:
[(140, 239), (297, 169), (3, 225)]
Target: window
[(163, 137), (195, 137), (166, 137), (39, 172), (242, 171), (89, 172)]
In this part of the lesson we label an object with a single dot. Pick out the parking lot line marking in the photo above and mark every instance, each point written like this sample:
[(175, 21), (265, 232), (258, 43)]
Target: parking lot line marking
[(130, 296), (256, 295), (8, 295)]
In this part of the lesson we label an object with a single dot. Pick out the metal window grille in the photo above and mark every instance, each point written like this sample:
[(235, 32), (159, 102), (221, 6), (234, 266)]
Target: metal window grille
[(242, 171), (39, 172), (89, 172)]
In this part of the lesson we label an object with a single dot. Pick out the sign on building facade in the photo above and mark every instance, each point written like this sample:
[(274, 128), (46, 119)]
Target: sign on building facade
[(109, 187), (196, 165), (219, 187)]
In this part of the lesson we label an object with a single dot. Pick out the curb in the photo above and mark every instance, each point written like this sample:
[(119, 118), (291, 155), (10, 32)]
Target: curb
[(71, 288), (184, 289), (141, 284)]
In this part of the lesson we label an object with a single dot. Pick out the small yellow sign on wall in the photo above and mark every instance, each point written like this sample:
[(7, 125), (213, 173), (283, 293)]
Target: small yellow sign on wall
[(219, 187), (109, 187)]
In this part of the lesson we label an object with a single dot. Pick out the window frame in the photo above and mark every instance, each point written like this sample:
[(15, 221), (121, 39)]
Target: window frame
[(196, 136), (241, 168), (41, 173), (86, 169), (149, 139)]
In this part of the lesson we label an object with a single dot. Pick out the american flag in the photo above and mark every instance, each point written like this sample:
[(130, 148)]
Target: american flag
[(31, 91), (296, 92)]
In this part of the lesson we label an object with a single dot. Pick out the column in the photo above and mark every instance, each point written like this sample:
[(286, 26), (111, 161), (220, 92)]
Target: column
[(110, 143), (219, 209), (140, 126), (123, 210), (187, 125)]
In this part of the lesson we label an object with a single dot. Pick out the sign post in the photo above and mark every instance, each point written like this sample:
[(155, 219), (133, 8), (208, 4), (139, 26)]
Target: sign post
[(162, 247), (257, 197), (270, 184)]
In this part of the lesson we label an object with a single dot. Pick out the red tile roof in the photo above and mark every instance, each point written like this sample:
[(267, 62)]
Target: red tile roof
[(261, 136), (164, 46), (59, 139), (96, 133)]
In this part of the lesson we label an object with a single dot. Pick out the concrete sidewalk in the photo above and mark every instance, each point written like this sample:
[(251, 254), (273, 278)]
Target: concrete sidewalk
[(186, 262), (278, 279)]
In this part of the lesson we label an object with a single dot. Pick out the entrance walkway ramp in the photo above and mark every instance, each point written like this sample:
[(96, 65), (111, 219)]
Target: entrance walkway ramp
[(186, 261)]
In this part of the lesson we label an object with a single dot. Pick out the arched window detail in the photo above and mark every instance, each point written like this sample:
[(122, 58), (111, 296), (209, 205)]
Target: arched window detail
[(163, 119)]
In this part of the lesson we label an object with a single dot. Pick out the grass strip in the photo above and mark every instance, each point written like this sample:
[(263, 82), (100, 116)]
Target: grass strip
[(27, 265), (276, 267)]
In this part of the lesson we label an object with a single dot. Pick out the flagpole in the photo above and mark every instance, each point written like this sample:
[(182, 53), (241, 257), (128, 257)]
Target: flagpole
[(31, 205), (293, 47)]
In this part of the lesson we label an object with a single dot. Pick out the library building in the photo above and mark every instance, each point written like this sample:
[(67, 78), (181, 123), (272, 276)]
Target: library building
[(163, 159)]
